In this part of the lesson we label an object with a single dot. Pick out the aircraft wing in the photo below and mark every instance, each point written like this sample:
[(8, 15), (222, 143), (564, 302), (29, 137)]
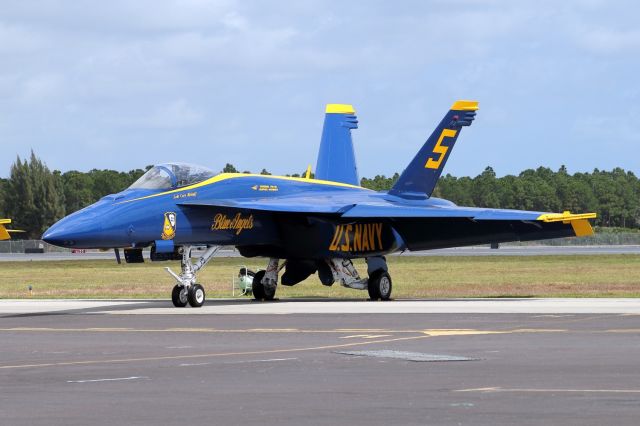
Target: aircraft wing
[(423, 227), (427, 227)]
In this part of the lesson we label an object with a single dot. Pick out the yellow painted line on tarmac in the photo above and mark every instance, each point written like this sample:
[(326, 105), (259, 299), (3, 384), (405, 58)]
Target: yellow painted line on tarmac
[(535, 390), (207, 355), (366, 336)]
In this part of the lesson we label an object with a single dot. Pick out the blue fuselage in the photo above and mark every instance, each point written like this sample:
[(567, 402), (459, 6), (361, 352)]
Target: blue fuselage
[(207, 213)]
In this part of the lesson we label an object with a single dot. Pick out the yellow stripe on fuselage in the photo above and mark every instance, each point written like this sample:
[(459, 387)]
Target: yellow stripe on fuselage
[(226, 176)]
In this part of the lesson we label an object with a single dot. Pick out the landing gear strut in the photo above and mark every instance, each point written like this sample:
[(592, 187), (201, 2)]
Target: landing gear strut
[(265, 282), (187, 290), (378, 284)]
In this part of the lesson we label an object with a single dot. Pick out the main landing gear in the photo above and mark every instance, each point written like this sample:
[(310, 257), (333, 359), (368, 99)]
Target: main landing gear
[(265, 282), (378, 284), (187, 291)]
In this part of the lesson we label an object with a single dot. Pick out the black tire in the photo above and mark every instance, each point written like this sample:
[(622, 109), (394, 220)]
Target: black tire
[(196, 295), (179, 296), (380, 286), (269, 293), (260, 292), (372, 288), (257, 288)]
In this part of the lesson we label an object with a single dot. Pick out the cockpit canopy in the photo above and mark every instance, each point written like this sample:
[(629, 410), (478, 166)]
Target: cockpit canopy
[(172, 175)]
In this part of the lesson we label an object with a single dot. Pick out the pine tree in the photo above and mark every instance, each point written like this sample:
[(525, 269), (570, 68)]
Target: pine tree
[(34, 196)]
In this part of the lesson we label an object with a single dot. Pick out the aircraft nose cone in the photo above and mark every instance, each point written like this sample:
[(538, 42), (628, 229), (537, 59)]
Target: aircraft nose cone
[(72, 232), (55, 236)]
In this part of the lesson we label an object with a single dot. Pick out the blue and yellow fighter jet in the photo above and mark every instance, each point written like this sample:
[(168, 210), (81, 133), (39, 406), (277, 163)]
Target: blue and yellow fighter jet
[(314, 225)]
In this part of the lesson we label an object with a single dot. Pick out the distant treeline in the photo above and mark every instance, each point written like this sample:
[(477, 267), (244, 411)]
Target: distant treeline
[(35, 197)]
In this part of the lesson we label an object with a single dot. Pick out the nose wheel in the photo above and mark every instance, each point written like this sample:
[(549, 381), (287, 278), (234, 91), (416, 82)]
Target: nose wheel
[(187, 291), (180, 296), (196, 295)]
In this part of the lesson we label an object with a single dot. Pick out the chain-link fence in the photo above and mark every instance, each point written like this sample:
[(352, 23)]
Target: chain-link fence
[(29, 246)]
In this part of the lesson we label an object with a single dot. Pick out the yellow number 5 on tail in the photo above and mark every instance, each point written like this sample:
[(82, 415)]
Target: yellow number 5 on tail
[(440, 149)]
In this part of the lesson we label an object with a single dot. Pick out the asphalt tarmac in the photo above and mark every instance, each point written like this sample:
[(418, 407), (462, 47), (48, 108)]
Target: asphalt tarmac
[(113, 362)]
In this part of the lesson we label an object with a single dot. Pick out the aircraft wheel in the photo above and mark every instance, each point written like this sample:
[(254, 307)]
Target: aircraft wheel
[(380, 285), (257, 287), (260, 292), (269, 293), (179, 296), (196, 295)]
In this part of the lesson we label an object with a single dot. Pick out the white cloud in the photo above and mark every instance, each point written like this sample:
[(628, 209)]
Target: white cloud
[(127, 72)]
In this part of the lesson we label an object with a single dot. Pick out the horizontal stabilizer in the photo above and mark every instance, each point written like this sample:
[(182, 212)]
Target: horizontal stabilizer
[(4, 232)]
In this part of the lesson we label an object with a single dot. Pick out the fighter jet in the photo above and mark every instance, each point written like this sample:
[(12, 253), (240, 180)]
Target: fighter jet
[(302, 225)]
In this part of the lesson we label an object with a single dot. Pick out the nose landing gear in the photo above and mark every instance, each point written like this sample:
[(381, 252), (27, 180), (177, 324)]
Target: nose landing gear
[(187, 291)]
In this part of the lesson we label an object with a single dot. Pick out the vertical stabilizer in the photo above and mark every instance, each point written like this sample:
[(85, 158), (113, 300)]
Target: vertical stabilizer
[(336, 158), (421, 175)]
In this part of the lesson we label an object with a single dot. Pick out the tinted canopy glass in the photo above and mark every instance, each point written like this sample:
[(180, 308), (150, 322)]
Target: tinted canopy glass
[(172, 175)]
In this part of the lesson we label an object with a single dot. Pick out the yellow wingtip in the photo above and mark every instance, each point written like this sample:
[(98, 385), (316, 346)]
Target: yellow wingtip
[(463, 105), (579, 222), (565, 216), (340, 109)]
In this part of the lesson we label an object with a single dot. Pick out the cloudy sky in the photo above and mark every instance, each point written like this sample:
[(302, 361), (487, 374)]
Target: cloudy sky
[(122, 84)]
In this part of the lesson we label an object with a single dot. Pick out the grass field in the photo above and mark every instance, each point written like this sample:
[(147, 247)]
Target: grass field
[(413, 277)]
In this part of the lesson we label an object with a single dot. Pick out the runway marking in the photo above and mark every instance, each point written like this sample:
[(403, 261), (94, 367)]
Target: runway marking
[(499, 389), (209, 355), (366, 336), (117, 379), (553, 316), (261, 360), (462, 332)]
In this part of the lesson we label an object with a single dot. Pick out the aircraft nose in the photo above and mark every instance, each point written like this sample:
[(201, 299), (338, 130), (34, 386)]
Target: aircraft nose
[(72, 232), (56, 235)]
